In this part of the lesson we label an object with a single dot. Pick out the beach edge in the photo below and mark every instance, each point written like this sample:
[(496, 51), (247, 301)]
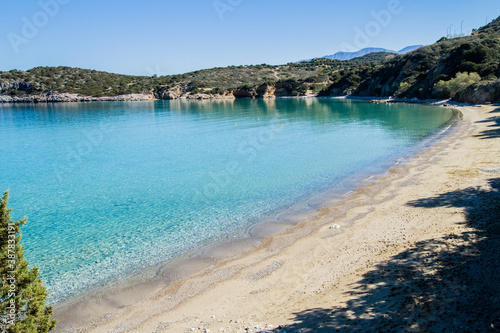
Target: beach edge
[(164, 301)]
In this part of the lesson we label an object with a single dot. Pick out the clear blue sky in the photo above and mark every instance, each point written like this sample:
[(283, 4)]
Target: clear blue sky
[(167, 37)]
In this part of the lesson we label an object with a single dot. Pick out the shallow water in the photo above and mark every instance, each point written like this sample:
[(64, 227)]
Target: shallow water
[(112, 187)]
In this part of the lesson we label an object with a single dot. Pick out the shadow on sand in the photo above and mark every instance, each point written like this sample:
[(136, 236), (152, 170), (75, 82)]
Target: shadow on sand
[(495, 125), (448, 284)]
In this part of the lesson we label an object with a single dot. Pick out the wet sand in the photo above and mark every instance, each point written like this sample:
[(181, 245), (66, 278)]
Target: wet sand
[(416, 249)]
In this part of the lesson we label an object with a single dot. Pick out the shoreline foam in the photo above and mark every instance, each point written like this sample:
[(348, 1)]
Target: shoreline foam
[(225, 270)]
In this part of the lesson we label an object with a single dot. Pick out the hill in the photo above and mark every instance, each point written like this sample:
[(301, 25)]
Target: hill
[(465, 69), (62, 79), (409, 49), (376, 56), (368, 50), (357, 54), (242, 81), (441, 70)]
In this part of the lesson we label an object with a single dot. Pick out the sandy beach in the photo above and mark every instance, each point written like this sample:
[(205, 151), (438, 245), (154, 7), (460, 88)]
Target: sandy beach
[(416, 250)]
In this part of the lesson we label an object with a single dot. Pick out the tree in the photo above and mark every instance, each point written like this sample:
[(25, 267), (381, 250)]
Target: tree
[(22, 294)]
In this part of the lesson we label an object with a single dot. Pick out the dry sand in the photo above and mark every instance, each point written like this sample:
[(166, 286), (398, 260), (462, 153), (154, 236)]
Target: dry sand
[(417, 250)]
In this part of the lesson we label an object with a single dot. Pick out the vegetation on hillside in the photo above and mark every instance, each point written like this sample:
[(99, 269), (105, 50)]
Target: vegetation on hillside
[(419, 73), (41, 80), (376, 56), (442, 70), (72, 80), (455, 85)]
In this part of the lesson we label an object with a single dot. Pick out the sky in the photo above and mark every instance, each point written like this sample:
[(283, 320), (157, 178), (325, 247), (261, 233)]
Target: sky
[(170, 37)]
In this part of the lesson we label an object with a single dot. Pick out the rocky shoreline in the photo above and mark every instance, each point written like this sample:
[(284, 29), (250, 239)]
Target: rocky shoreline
[(68, 97), (178, 92), (71, 98), (248, 93)]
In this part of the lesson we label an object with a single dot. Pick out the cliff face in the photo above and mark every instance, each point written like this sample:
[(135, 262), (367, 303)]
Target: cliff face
[(480, 93), (169, 93), (261, 91), (388, 79)]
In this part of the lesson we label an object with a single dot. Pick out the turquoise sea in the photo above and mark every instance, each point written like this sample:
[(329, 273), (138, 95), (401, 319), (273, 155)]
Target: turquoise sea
[(113, 187)]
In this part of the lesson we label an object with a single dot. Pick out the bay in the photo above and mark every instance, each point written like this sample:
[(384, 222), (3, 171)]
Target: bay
[(113, 187)]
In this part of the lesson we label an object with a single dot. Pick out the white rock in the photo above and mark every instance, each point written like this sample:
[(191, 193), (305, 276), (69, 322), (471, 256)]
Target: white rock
[(335, 226)]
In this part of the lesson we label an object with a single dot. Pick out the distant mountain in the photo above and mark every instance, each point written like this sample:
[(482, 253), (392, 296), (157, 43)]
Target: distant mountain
[(360, 53), (376, 56), (409, 49), (368, 50)]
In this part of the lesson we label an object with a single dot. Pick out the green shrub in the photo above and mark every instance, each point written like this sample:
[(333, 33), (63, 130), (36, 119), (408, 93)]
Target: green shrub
[(22, 294), (317, 88), (216, 91), (403, 88), (448, 89), (196, 91)]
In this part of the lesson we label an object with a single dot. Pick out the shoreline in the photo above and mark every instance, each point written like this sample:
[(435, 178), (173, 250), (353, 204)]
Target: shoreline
[(64, 288), (149, 97), (117, 309), (73, 98), (246, 240)]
